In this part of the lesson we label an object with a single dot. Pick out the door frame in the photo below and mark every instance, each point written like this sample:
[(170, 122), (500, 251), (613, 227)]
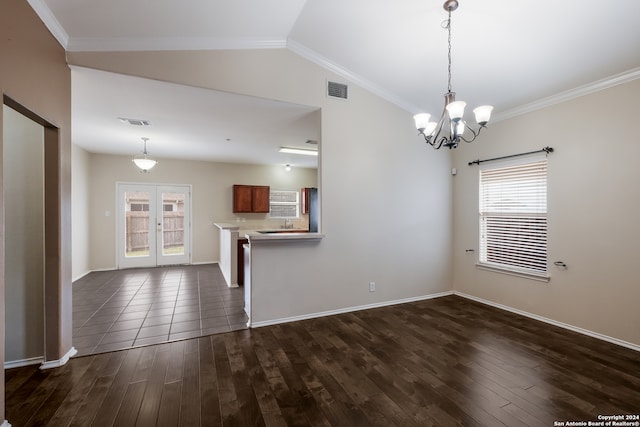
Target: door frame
[(153, 241), (57, 238)]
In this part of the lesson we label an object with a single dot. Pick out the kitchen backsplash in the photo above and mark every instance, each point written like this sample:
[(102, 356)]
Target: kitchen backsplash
[(244, 223)]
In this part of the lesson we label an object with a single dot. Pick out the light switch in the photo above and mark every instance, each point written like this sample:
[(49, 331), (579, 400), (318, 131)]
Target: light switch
[(107, 213)]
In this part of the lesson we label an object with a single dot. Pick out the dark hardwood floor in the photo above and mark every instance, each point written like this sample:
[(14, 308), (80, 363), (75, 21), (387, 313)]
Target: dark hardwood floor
[(447, 361)]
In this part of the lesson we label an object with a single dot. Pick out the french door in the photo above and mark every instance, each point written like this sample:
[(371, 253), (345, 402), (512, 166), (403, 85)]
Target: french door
[(154, 225)]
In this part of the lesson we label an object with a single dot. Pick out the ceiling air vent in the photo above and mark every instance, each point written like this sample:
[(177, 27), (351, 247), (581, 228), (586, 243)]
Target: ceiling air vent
[(134, 122), (337, 90)]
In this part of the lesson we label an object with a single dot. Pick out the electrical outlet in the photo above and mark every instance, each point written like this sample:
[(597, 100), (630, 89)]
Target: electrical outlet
[(372, 286)]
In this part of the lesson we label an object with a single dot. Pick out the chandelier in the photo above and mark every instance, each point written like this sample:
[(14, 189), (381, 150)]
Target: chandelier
[(437, 134), (144, 162)]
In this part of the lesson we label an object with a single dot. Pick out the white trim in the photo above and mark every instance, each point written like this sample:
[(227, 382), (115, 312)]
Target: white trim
[(5, 424), (50, 21), (205, 262), (129, 44), (73, 279), (582, 331), (115, 269), (504, 270), (92, 271), (23, 362), (60, 362), (589, 88), (347, 310), (368, 85)]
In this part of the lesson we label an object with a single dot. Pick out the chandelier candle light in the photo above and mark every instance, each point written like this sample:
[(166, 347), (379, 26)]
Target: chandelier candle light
[(144, 162), (433, 131)]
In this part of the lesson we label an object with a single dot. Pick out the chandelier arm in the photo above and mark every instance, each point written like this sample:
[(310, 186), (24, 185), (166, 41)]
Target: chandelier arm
[(433, 138), (426, 138), (439, 127), (475, 134), (443, 141)]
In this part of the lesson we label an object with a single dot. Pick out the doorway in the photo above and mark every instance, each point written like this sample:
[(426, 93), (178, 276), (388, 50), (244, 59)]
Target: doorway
[(23, 177), (154, 225)]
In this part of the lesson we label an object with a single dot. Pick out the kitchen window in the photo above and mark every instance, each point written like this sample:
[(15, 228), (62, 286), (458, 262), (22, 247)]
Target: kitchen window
[(513, 218), (284, 204)]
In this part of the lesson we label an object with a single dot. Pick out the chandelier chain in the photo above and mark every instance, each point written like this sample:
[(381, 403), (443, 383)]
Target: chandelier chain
[(449, 52)]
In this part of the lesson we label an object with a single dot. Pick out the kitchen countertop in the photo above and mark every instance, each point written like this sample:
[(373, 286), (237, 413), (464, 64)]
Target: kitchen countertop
[(255, 236), (276, 234), (226, 226)]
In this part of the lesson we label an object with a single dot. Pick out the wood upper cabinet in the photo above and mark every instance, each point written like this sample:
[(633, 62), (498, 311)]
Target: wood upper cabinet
[(250, 198), (260, 199), (304, 202), (242, 196)]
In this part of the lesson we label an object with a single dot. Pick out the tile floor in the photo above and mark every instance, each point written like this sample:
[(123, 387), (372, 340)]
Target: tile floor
[(113, 310)]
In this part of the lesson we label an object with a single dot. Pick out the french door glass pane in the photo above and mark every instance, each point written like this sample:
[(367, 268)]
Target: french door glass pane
[(173, 223), (136, 223)]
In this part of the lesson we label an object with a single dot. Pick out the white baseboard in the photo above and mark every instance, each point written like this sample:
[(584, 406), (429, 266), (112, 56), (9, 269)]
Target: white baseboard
[(24, 362), (60, 362), (347, 310), (73, 279), (91, 271), (116, 269), (204, 263), (579, 330), (5, 424)]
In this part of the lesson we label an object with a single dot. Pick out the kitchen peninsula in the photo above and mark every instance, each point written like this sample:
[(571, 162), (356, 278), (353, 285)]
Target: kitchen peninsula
[(232, 237)]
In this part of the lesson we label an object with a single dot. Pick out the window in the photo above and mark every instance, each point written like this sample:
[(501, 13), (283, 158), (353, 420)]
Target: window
[(513, 218), (284, 204), (140, 207)]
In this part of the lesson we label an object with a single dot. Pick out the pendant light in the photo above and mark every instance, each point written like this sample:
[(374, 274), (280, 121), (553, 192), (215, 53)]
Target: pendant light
[(144, 162)]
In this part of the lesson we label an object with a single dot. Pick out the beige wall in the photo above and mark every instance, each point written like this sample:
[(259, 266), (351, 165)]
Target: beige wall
[(34, 73), (593, 213), (23, 177), (80, 195), (211, 198), (385, 196)]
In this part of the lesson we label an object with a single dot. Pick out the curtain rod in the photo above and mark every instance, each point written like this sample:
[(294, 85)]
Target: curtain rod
[(543, 150)]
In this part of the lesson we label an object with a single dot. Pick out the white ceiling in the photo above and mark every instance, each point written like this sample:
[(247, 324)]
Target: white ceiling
[(186, 122), (505, 53)]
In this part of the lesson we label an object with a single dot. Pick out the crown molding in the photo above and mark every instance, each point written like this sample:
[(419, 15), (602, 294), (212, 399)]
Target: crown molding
[(50, 21), (130, 44), (106, 44), (323, 62), (570, 94)]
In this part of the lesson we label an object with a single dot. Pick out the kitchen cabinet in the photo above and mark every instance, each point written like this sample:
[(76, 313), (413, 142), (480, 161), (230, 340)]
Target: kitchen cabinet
[(240, 249), (250, 198), (307, 197), (304, 201)]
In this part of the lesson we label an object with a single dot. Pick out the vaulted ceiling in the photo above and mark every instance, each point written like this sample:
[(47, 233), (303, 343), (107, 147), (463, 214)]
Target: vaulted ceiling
[(505, 53)]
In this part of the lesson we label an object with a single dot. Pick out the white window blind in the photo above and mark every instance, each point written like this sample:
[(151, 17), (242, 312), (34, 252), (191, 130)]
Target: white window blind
[(283, 204), (513, 217)]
